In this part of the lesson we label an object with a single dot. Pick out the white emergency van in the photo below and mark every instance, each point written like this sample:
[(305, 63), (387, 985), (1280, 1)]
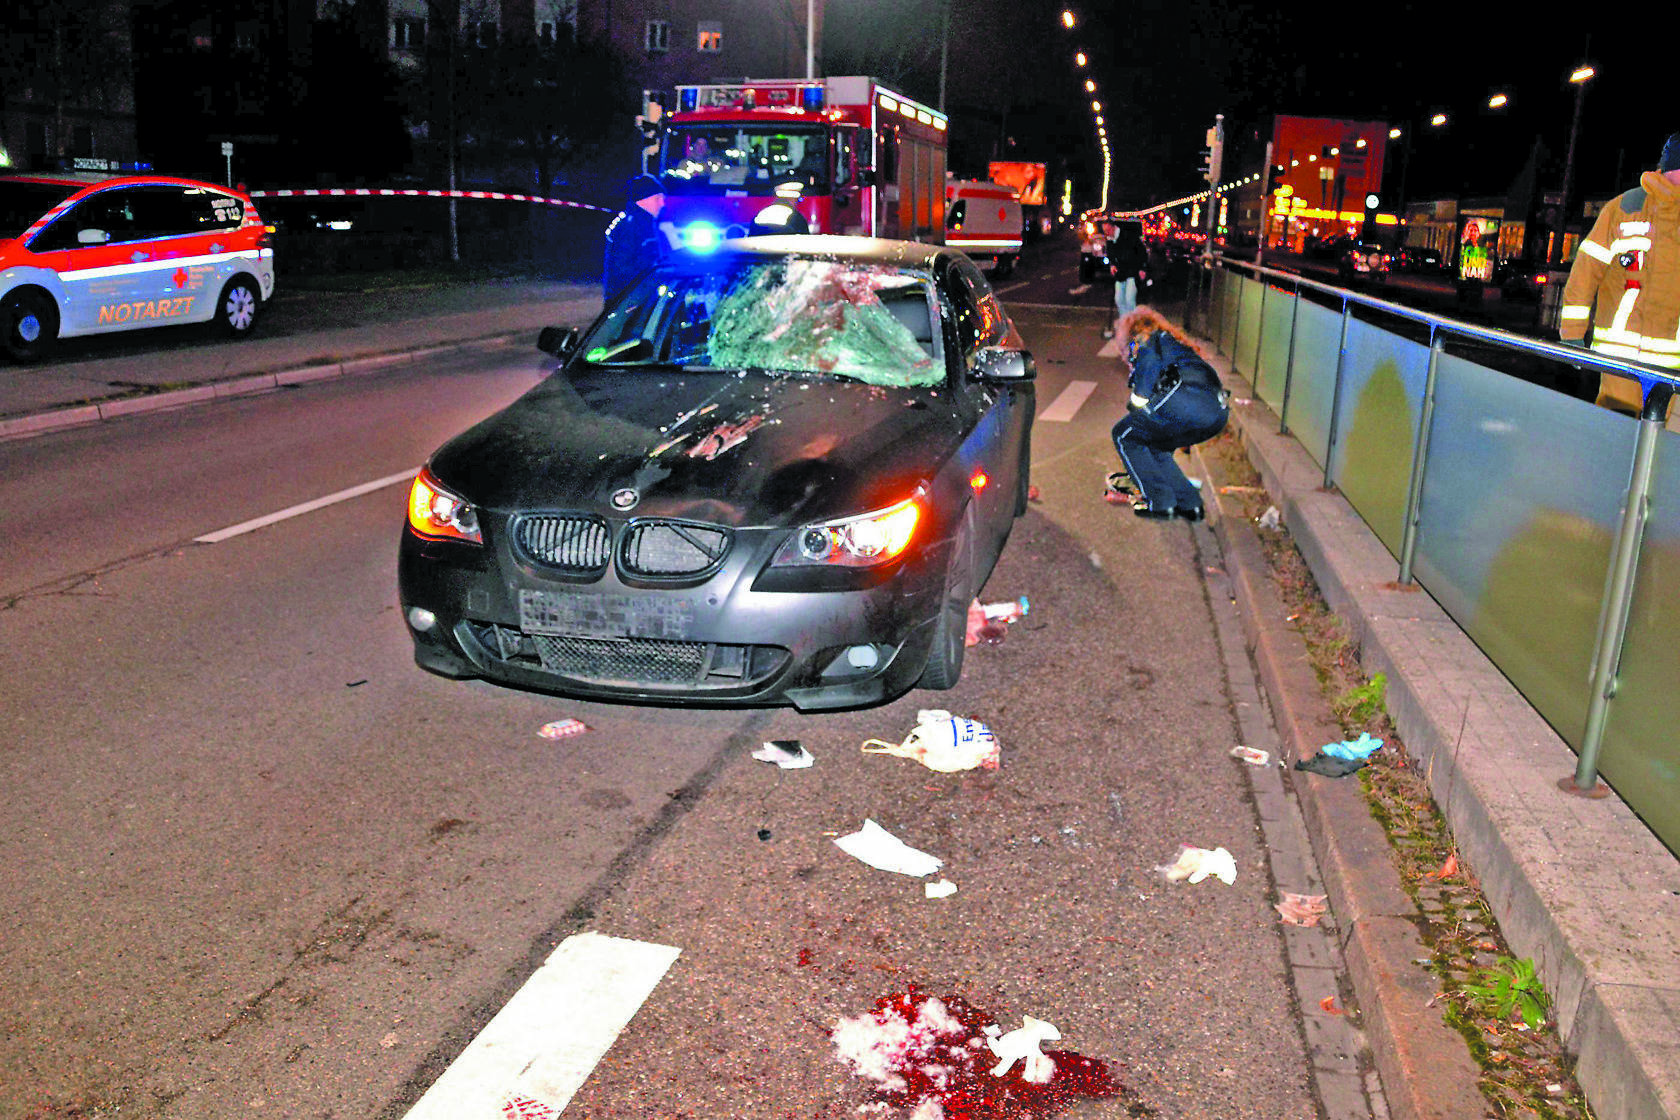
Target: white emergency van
[(983, 219)]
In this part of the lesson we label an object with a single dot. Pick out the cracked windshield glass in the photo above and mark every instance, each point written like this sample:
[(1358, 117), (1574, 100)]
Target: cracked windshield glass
[(797, 316)]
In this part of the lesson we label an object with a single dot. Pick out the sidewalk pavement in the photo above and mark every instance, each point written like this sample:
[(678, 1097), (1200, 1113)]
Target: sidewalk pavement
[(1581, 886), (369, 331)]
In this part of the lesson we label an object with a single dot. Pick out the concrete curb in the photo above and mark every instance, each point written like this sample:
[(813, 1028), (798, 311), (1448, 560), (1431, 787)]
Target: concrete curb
[(240, 384), (1426, 1069), (1582, 887)]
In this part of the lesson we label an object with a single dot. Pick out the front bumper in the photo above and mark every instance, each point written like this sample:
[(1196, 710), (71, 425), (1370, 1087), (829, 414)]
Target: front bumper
[(719, 642)]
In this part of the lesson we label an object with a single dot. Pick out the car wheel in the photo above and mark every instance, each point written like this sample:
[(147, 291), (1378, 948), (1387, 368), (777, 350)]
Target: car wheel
[(236, 310), (950, 632), (1004, 268), (30, 322)]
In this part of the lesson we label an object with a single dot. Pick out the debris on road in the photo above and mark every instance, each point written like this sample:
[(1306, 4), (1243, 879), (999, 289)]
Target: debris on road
[(1330, 766), (989, 622), (1361, 748), (883, 851), (1302, 909), (932, 1057), (1271, 519), (942, 889), (1033, 494), (1328, 1005), (943, 742), (1022, 1044), (562, 728), (1251, 756), (1009, 610), (786, 753), (1196, 864), (1447, 870)]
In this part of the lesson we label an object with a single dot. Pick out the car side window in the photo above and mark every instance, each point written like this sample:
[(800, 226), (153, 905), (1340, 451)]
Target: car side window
[(110, 211), (979, 316), (168, 211)]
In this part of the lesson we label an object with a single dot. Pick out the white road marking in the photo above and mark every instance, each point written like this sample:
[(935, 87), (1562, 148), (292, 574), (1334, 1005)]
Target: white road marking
[(1013, 287), (1068, 402), (1080, 290), (307, 507), (539, 1049), (1112, 348)]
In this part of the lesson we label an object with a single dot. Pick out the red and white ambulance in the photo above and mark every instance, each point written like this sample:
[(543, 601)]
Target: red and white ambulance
[(90, 254), (826, 155), (983, 219)]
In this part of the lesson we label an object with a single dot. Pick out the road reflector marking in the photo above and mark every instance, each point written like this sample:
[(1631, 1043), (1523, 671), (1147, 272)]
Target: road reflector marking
[(537, 1052), (307, 507), (1068, 401)]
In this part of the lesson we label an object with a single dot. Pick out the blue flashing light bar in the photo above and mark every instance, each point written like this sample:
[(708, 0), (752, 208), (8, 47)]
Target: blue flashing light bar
[(812, 98)]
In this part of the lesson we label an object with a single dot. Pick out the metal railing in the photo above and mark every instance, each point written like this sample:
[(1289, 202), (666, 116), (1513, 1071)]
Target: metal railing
[(1219, 291)]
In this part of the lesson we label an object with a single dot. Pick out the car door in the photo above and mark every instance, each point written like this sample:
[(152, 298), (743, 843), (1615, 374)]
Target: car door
[(996, 445), (99, 264)]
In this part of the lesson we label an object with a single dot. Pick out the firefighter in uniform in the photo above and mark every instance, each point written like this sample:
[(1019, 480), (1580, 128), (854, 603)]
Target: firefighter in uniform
[(1625, 281)]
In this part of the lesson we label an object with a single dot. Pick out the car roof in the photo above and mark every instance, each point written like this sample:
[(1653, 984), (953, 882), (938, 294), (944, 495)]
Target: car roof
[(862, 250)]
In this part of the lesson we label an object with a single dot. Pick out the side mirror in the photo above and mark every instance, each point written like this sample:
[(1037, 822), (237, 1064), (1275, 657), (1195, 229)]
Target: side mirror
[(558, 341), (92, 237), (994, 363)]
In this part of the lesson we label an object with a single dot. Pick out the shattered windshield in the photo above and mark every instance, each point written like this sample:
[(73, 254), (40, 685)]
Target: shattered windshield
[(797, 316), (754, 159)]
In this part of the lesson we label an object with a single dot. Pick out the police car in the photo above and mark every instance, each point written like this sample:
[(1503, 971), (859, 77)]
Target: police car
[(85, 254)]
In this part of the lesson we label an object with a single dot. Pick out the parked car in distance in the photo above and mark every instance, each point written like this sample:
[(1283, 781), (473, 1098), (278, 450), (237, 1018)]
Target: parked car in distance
[(88, 254), (1359, 260), (1419, 259), (1521, 280), (776, 473)]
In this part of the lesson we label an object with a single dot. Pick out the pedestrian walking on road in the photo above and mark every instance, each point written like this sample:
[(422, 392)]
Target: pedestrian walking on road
[(633, 238), (1625, 281), (1176, 402), (1128, 261)]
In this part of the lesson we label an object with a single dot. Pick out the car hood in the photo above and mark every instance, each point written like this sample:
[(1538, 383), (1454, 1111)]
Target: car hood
[(734, 449)]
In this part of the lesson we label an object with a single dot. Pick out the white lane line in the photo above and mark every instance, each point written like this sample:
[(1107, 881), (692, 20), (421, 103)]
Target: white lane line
[(307, 507), (536, 1053), (1068, 401), (1019, 284), (1112, 348)]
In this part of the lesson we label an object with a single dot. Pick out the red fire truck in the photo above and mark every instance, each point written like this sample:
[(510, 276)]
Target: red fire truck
[(824, 155)]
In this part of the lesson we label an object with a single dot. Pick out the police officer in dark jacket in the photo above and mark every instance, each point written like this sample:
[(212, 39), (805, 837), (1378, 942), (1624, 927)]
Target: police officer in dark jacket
[(1176, 402), (633, 238)]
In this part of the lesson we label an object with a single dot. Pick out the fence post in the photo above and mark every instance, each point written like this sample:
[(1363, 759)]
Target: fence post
[(1289, 363), (1618, 593), (1420, 453), (1259, 331), (1219, 305), (1336, 397)]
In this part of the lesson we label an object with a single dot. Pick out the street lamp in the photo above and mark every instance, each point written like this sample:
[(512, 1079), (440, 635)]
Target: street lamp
[(1580, 77)]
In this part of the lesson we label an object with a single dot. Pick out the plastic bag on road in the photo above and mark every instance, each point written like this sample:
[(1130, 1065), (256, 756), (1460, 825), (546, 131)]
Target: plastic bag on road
[(943, 742), (1361, 748), (789, 754), (1196, 864)]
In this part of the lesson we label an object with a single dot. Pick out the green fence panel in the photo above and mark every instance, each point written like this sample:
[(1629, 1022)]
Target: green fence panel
[(1641, 752), (1274, 346), (1312, 388), (1383, 379), (1247, 326), (1521, 499)]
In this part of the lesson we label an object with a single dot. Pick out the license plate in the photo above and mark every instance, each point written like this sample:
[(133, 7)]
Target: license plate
[(605, 616)]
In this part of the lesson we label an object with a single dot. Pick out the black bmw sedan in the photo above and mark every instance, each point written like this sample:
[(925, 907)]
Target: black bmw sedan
[(774, 473)]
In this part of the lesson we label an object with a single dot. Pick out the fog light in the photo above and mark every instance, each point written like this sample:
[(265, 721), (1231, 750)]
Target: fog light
[(421, 619), (863, 657)]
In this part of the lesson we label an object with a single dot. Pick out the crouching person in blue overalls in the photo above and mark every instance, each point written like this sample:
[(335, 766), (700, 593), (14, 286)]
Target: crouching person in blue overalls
[(1176, 402)]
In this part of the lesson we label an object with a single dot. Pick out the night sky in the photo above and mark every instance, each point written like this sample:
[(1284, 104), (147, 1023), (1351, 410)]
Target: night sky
[(1164, 68)]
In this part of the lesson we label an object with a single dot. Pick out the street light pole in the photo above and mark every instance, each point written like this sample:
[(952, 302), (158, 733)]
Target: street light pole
[(1580, 77)]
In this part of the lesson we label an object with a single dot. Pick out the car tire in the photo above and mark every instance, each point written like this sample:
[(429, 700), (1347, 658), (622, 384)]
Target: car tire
[(30, 322), (237, 307), (950, 629), (1004, 268)]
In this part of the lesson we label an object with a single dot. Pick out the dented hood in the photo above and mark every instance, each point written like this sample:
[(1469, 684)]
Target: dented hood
[(725, 448)]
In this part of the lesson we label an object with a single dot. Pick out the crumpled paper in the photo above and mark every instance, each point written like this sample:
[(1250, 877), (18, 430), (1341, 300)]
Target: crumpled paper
[(883, 851), (943, 742), (1302, 909), (789, 754), (1022, 1044), (1196, 864)]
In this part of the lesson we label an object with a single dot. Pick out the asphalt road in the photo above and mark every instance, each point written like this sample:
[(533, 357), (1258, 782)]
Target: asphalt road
[(260, 864)]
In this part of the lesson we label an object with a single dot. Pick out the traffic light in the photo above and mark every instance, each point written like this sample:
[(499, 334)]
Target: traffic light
[(1206, 165)]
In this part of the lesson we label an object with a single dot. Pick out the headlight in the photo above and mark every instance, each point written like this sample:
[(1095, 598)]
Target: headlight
[(853, 542), (435, 513)]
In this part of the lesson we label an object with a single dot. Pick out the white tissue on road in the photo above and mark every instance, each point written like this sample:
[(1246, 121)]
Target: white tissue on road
[(1197, 864), (1023, 1043), (883, 851)]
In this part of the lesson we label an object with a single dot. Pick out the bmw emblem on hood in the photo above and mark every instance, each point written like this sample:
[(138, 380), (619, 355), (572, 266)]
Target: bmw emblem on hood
[(625, 498)]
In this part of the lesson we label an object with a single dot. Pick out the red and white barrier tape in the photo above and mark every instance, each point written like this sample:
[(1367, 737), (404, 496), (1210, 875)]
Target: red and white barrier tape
[(389, 192)]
